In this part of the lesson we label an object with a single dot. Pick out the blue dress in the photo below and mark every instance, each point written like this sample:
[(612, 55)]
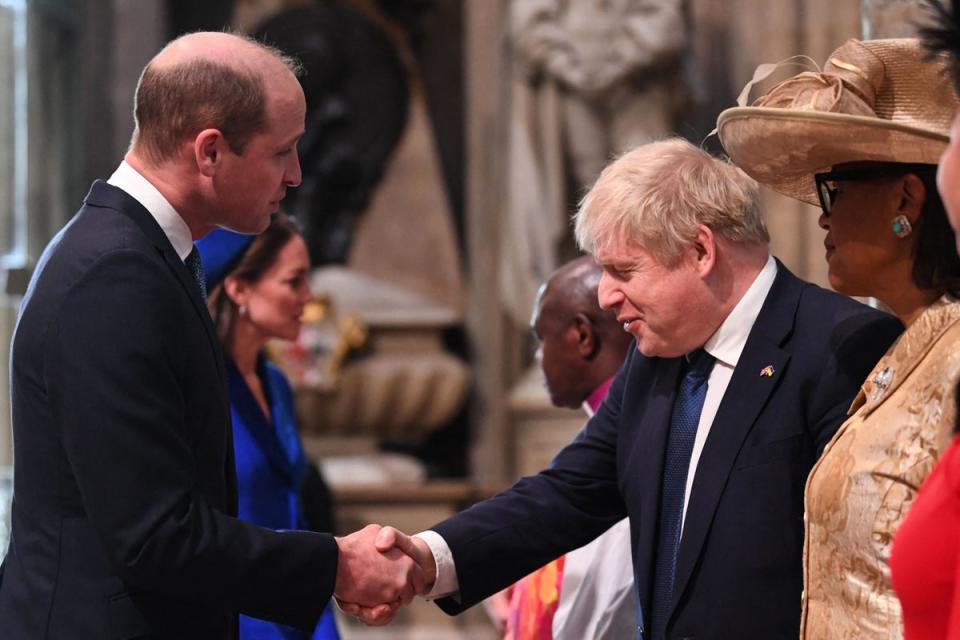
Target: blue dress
[(270, 469)]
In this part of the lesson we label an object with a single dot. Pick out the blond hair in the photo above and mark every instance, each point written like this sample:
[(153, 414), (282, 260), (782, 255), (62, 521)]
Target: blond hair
[(656, 195)]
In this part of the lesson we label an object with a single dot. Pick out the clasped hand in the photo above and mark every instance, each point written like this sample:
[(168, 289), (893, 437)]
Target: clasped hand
[(380, 570)]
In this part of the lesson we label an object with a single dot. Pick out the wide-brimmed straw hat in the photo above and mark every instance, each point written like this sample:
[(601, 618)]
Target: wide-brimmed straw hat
[(874, 100)]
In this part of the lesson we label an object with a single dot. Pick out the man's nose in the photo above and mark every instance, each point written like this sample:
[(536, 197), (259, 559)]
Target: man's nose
[(607, 292), (292, 175)]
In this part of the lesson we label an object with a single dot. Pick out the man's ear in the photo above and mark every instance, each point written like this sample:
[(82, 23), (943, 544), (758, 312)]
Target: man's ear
[(587, 343), (913, 195), (208, 149), (705, 249)]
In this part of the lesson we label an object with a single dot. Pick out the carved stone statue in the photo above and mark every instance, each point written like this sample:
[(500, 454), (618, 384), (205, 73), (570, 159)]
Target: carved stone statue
[(357, 104), (592, 78)]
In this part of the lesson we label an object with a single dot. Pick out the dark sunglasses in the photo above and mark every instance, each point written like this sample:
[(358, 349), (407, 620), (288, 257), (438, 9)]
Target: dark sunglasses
[(826, 182)]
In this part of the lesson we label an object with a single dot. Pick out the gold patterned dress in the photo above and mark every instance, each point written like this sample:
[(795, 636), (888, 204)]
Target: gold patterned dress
[(859, 491)]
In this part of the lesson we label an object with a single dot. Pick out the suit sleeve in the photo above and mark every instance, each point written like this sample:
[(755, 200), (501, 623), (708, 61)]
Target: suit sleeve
[(502, 539), (854, 346), (116, 385)]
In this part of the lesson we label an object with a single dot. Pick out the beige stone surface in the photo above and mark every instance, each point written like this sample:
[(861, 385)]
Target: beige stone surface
[(406, 236)]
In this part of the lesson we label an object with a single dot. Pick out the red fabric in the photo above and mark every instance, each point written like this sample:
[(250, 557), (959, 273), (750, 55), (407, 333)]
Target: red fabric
[(595, 398), (925, 559), (534, 602)]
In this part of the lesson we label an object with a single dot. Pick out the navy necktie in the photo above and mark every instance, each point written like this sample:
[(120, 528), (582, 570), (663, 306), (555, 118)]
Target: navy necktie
[(195, 266), (683, 428)]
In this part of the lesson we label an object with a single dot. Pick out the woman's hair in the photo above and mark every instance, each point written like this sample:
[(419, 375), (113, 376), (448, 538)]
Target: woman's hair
[(255, 261), (942, 36), (936, 265)]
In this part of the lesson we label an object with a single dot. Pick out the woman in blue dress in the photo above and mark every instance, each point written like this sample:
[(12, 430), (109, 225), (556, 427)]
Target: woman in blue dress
[(257, 288)]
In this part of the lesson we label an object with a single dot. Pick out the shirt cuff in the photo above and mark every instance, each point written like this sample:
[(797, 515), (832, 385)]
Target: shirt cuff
[(446, 583)]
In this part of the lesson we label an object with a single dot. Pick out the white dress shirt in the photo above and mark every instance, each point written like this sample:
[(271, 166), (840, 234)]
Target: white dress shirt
[(139, 188), (725, 345), (596, 590)]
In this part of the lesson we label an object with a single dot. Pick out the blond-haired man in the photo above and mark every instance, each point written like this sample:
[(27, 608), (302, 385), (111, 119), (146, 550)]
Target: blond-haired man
[(741, 374)]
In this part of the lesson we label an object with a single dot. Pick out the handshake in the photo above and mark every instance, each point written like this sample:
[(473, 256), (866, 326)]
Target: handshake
[(379, 570)]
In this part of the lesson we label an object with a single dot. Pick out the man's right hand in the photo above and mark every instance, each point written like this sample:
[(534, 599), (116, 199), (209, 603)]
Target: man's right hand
[(371, 578), (390, 542)]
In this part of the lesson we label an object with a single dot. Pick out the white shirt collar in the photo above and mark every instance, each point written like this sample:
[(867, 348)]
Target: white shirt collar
[(727, 343), (139, 188)]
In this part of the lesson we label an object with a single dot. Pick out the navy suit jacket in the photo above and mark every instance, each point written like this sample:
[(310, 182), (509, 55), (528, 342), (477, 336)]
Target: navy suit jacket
[(739, 564), (125, 483)]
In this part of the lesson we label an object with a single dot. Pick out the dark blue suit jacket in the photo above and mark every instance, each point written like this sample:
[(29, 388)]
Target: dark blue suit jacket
[(125, 485), (739, 565)]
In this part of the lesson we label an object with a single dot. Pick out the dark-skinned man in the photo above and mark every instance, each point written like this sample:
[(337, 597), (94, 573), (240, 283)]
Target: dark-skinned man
[(588, 593)]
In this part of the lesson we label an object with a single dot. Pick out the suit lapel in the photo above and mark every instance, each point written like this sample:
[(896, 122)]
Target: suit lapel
[(646, 465), (251, 418), (192, 291), (105, 195), (745, 397)]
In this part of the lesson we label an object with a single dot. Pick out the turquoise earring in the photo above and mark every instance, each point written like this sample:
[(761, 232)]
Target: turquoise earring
[(901, 226)]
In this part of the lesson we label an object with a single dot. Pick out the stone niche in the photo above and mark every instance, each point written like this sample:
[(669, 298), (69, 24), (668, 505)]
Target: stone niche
[(370, 367)]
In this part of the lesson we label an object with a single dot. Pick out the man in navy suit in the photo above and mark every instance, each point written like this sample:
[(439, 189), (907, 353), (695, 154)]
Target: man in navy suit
[(741, 375), (125, 487)]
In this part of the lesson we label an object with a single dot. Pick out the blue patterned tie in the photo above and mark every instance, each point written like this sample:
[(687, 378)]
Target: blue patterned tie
[(683, 429), (195, 265)]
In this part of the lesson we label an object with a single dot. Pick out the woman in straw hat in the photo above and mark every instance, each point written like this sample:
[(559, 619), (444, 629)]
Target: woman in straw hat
[(862, 139), (926, 556)]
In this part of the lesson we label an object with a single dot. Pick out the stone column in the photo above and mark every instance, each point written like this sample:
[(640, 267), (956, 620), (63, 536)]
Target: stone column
[(486, 106), (82, 63), (140, 31)]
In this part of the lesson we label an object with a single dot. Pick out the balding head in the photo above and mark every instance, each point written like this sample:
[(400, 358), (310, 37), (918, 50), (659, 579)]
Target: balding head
[(205, 80), (572, 288), (581, 344), (231, 50)]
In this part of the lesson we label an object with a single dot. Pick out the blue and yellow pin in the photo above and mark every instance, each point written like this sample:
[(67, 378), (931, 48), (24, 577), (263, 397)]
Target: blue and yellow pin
[(767, 371)]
